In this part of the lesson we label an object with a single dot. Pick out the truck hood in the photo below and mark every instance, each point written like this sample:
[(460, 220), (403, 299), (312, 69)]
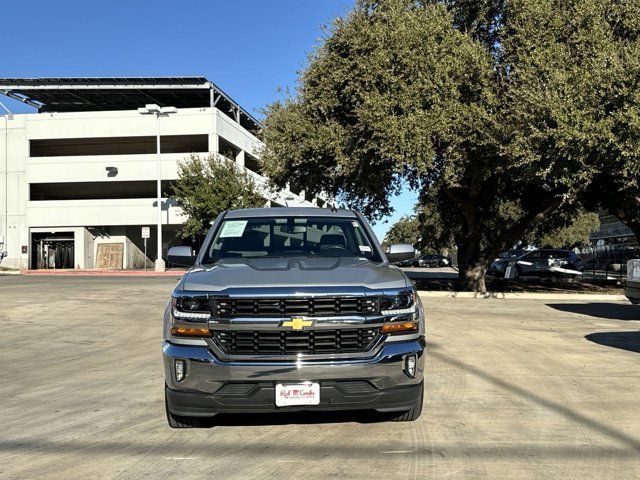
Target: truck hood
[(293, 272)]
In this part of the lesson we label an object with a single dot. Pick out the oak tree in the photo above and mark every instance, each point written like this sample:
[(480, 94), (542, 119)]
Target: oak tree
[(502, 113)]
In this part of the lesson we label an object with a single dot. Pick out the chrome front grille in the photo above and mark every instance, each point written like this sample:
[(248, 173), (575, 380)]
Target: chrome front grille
[(311, 342), (225, 307)]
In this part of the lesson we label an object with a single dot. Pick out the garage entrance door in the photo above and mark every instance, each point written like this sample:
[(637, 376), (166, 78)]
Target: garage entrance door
[(110, 255), (52, 250)]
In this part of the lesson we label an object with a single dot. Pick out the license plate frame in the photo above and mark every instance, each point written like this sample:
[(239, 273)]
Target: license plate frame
[(297, 394)]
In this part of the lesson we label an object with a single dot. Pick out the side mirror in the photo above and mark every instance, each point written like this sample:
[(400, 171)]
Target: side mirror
[(400, 252), (182, 256)]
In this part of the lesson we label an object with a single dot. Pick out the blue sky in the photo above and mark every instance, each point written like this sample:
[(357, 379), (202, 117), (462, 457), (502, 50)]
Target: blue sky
[(249, 48)]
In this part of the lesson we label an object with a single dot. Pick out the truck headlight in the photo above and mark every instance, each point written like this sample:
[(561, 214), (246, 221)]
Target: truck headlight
[(402, 303), (193, 308), (401, 311)]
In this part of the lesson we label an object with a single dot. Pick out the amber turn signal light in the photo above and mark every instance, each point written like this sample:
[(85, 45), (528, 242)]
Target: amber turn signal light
[(400, 327), (190, 332)]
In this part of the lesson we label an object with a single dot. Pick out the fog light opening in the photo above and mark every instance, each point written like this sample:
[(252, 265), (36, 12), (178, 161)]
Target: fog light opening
[(410, 366), (180, 369)]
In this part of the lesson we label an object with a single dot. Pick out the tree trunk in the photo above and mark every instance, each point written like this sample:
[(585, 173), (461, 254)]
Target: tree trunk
[(635, 228), (472, 277), (472, 266)]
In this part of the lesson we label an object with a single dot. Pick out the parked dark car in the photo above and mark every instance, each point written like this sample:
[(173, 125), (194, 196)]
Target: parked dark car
[(544, 262), (431, 260), (406, 263)]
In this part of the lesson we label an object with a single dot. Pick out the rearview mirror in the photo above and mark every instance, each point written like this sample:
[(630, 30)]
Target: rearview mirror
[(183, 256), (399, 252)]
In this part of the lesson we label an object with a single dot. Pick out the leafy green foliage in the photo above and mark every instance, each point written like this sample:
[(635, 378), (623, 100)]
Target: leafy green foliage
[(207, 187), (424, 230), (576, 234), (618, 195), (405, 230), (503, 113)]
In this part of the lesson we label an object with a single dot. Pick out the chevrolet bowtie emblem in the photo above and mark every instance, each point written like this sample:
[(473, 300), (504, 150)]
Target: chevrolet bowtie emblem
[(296, 323)]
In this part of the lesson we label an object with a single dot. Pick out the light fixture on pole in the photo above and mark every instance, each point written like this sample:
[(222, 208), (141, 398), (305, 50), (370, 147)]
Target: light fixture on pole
[(153, 109)]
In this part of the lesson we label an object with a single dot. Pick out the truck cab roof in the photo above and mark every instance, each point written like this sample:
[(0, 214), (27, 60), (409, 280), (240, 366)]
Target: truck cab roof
[(290, 212)]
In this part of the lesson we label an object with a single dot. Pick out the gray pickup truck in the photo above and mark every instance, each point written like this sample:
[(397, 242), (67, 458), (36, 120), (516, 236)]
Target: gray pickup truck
[(288, 309)]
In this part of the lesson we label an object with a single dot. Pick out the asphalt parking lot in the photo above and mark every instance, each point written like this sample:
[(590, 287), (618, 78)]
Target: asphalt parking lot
[(514, 389)]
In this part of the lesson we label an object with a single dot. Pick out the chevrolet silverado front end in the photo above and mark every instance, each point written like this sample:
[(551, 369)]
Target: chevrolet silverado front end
[(292, 309)]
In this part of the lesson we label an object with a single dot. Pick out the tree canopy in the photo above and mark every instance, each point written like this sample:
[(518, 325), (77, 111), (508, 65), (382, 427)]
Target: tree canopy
[(502, 112), (207, 187), (426, 231), (405, 230), (575, 234)]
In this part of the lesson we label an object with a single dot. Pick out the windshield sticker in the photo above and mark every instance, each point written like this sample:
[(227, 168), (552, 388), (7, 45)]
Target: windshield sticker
[(365, 248), (234, 228)]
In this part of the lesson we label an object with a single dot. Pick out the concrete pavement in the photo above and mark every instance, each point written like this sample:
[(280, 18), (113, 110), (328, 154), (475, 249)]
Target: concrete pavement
[(523, 389)]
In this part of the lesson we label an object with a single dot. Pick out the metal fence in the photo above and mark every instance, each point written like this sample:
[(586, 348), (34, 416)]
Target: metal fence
[(608, 262)]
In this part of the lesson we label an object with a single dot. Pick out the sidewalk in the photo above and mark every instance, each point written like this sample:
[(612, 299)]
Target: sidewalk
[(98, 272), (582, 296)]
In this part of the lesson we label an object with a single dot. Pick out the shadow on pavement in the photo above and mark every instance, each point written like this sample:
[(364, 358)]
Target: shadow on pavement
[(552, 405), (611, 311), (623, 340), (296, 418), (269, 449)]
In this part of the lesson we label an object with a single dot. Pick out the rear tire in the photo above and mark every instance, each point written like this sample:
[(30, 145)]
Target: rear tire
[(409, 415), (179, 421)]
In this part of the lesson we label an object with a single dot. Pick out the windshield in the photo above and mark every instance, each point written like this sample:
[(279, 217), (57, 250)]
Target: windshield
[(289, 237)]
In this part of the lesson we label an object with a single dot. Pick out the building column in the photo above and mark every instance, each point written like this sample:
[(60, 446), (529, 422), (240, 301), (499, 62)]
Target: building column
[(240, 158), (214, 143)]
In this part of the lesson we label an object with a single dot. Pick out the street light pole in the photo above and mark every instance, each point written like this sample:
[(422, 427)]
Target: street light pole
[(4, 251), (160, 265), (152, 109)]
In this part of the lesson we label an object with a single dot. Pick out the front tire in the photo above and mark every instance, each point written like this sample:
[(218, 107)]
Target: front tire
[(180, 421), (409, 415)]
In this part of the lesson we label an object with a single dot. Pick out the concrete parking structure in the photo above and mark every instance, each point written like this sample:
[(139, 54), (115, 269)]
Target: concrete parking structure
[(514, 389), (79, 176)]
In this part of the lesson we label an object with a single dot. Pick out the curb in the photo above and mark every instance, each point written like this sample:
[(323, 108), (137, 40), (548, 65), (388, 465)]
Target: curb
[(608, 297), (10, 272), (102, 273)]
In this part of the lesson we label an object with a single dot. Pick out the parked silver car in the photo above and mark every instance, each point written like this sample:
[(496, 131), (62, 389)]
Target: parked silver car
[(500, 264), (290, 309), (632, 283), (541, 263)]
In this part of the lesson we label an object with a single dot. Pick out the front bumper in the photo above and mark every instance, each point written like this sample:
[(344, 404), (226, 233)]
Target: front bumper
[(212, 386)]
